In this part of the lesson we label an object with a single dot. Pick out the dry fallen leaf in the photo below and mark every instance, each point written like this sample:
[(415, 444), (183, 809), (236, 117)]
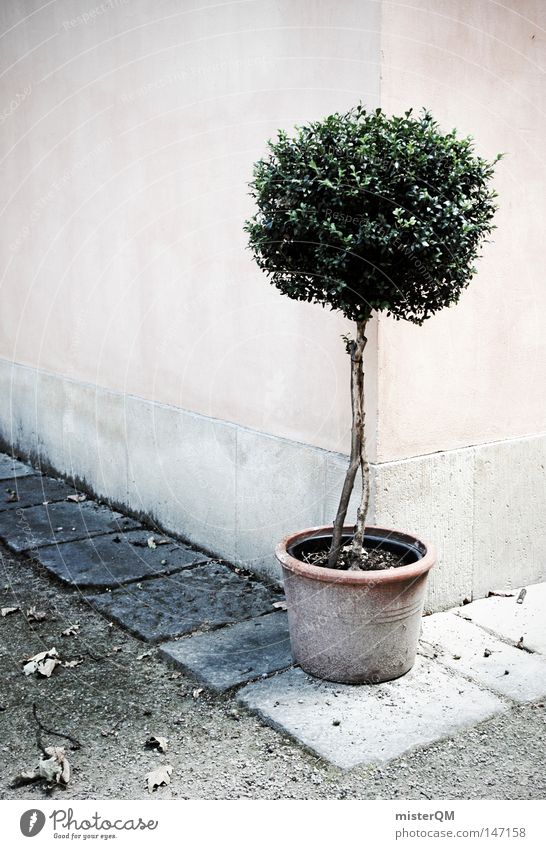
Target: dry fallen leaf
[(7, 610), (158, 777), (57, 754), (428, 650), (43, 663), (34, 615), (77, 497), (159, 743), (72, 631), (55, 769), (70, 664)]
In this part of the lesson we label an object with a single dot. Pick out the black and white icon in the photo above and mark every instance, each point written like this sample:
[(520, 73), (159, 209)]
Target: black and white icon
[(32, 822)]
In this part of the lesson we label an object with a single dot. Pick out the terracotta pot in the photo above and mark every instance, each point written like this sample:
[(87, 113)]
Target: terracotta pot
[(355, 627)]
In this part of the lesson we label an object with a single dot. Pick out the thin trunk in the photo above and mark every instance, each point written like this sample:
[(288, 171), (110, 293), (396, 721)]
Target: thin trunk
[(358, 552), (357, 458)]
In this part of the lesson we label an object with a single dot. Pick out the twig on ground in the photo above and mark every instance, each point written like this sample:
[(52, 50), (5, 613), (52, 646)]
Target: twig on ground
[(41, 727)]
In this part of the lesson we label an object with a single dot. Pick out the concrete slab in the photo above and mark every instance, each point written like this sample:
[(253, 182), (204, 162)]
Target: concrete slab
[(351, 725), (471, 650), (290, 480), (10, 468), (181, 472), (509, 507), (31, 413), (95, 441), (181, 468), (205, 596), (431, 497), (514, 622), (33, 527), (236, 654), (114, 559), (32, 490)]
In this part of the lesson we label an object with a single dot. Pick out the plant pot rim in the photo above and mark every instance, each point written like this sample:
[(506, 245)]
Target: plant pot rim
[(342, 576)]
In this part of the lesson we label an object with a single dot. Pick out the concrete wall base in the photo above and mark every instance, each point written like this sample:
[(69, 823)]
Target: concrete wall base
[(236, 492)]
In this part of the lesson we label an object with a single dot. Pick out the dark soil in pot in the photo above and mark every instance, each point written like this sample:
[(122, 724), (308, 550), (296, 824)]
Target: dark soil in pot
[(379, 553)]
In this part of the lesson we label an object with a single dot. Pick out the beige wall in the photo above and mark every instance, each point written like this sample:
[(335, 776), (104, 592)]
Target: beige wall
[(129, 130), (124, 172), (476, 373)]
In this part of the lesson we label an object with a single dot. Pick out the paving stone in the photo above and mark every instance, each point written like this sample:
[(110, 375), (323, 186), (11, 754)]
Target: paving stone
[(10, 468), (32, 490), (349, 725), (510, 620), (236, 654), (162, 608), (114, 559), (471, 650), (33, 527)]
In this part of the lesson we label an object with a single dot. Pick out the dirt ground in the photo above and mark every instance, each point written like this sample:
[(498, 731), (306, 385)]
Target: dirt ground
[(113, 702)]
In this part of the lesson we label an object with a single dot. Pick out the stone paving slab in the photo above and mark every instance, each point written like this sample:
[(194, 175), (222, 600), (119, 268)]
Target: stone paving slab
[(32, 490), (350, 725), (33, 527), (236, 654), (114, 559), (10, 468), (471, 650), (510, 620), (204, 596)]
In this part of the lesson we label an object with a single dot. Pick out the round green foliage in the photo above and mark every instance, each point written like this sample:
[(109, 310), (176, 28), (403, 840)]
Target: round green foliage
[(366, 212)]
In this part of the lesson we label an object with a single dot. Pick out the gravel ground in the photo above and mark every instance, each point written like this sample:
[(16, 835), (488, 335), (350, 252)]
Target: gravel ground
[(113, 702)]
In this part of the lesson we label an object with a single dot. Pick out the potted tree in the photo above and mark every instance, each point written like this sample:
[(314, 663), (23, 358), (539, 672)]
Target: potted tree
[(364, 213)]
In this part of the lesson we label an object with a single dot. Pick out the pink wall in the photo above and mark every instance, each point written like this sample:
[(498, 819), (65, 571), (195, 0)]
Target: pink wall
[(475, 373), (124, 173)]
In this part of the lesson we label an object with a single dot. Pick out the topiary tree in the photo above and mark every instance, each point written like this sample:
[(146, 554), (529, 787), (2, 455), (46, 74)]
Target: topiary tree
[(362, 212)]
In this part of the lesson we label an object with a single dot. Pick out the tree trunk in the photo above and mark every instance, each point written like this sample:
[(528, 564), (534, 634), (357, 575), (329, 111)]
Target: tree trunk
[(358, 453), (358, 551)]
